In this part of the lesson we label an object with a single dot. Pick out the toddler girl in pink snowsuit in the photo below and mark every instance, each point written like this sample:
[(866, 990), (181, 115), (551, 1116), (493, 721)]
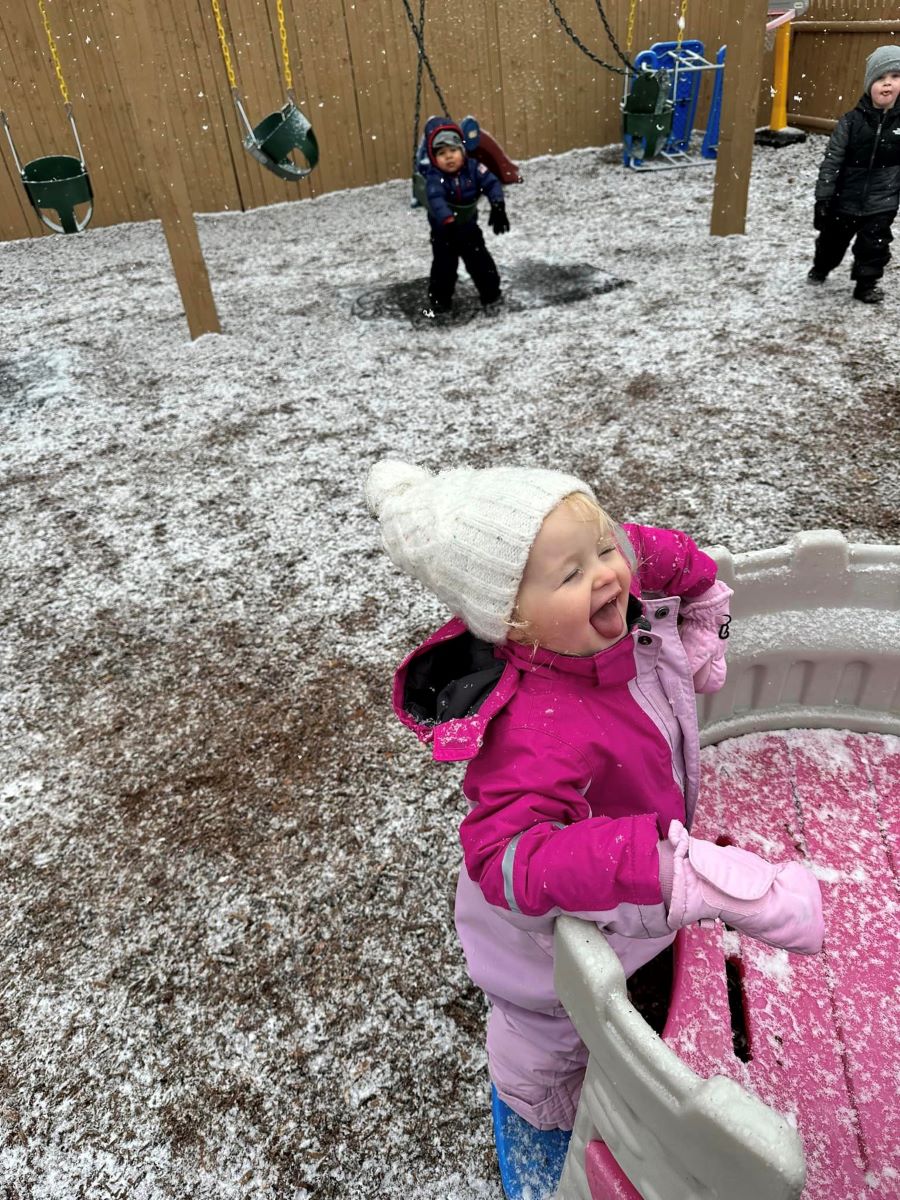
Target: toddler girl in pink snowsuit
[(566, 682)]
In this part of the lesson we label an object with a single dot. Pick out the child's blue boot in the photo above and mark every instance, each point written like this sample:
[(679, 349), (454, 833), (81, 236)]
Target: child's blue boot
[(531, 1160)]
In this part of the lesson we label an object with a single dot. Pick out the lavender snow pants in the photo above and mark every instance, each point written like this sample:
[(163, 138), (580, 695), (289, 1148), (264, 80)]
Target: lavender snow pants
[(535, 1056)]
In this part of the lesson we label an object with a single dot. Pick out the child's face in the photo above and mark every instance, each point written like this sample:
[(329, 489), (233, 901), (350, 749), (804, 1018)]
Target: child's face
[(574, 591), (449, 159), (884, 91)]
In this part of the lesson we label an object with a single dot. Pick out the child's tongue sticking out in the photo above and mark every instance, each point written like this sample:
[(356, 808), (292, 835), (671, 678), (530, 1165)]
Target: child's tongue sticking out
[(608, 621)]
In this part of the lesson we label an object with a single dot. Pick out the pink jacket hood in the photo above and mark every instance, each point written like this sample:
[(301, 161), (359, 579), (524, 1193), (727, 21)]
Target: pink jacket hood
[(449, 688)]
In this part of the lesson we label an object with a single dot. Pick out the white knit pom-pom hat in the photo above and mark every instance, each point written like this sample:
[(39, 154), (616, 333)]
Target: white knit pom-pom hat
[(466, 533)]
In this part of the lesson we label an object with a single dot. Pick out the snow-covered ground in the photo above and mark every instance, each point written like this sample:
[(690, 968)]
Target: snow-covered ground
[(229, 968)]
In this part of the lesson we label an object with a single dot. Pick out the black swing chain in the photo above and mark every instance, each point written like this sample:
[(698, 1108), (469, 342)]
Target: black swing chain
[(612, 40), (419, 35), (583, 48), (419, 65)]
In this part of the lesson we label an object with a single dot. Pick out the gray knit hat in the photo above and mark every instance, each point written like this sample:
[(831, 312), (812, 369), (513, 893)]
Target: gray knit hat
[(466, 533), (447, 137), (881, 62)]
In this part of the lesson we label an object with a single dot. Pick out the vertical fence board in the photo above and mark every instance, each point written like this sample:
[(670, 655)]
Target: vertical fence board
[(120, 191), (400, 63), (187, 108), (394, 98), (594, 94), (362, 24), (16, 216), (327, 74), (219, 185), (525, 131), (477, 42)]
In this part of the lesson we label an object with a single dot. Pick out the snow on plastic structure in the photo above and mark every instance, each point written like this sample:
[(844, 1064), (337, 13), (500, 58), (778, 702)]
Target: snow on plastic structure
[(815, 646)]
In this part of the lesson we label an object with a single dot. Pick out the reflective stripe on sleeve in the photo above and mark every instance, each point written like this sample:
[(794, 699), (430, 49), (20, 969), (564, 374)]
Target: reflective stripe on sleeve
[(509, 858)]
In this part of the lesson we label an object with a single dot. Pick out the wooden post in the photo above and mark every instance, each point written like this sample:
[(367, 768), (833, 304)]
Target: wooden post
[(745, 40), (140, 66)]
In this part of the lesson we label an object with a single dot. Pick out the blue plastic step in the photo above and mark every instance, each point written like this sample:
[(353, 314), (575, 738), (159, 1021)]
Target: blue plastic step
[(531, 1160)]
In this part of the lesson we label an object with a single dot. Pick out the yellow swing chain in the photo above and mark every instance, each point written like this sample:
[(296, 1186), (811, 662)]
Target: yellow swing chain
[(52, 44), (282, 33), (226, 54), (223, 42), (682, 23), (629, 32)]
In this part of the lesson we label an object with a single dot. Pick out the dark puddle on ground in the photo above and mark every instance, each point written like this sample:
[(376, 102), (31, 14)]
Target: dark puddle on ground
[(529, 284)]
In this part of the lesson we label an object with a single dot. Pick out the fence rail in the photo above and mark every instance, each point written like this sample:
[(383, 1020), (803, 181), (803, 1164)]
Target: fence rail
[(354, 68)]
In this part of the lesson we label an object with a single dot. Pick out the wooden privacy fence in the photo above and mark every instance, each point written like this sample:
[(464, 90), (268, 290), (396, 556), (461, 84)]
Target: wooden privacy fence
[(507, 61), (829, 49)]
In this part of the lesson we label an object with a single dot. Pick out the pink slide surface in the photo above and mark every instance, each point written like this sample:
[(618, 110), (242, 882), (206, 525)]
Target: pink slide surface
[(815, 1038)]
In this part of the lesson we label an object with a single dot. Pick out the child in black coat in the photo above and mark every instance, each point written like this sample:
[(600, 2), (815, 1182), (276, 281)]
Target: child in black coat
[(858, 189)]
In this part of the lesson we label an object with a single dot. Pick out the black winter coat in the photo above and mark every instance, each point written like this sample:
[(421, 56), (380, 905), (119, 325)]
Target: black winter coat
[(860, 172)]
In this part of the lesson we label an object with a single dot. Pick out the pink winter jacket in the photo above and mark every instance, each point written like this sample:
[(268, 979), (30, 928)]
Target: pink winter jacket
[(576, 765)]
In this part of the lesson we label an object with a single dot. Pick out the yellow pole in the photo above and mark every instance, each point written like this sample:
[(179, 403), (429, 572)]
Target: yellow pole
[(778, 118), (778, 132)]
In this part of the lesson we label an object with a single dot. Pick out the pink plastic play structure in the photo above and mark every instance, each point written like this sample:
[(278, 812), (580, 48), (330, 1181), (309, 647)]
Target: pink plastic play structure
[(775, 1077)]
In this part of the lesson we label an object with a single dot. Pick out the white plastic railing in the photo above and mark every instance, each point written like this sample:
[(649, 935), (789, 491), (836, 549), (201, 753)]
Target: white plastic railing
[(815, 639)]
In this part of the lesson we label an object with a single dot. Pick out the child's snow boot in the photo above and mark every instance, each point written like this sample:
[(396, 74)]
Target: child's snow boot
[(868, 293), (780, 904), (439, 311), (814, 275), (530, 1160)]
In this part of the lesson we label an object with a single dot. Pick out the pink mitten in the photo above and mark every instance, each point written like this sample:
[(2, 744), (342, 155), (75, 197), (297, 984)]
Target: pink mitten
[(704, 633), (778, 904)]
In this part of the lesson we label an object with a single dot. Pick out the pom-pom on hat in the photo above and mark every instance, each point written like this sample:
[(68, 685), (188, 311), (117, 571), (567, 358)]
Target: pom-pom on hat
[(881, 62), (465, 533)]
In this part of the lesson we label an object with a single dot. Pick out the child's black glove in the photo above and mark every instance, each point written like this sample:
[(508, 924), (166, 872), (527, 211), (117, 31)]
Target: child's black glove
[(498, 220), (820, 214)]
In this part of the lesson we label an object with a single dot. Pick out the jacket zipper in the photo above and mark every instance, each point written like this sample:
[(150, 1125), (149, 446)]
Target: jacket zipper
[(865, 196)]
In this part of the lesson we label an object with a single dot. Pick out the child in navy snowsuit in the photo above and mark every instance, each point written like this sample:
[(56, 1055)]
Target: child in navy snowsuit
[(453, 183)]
